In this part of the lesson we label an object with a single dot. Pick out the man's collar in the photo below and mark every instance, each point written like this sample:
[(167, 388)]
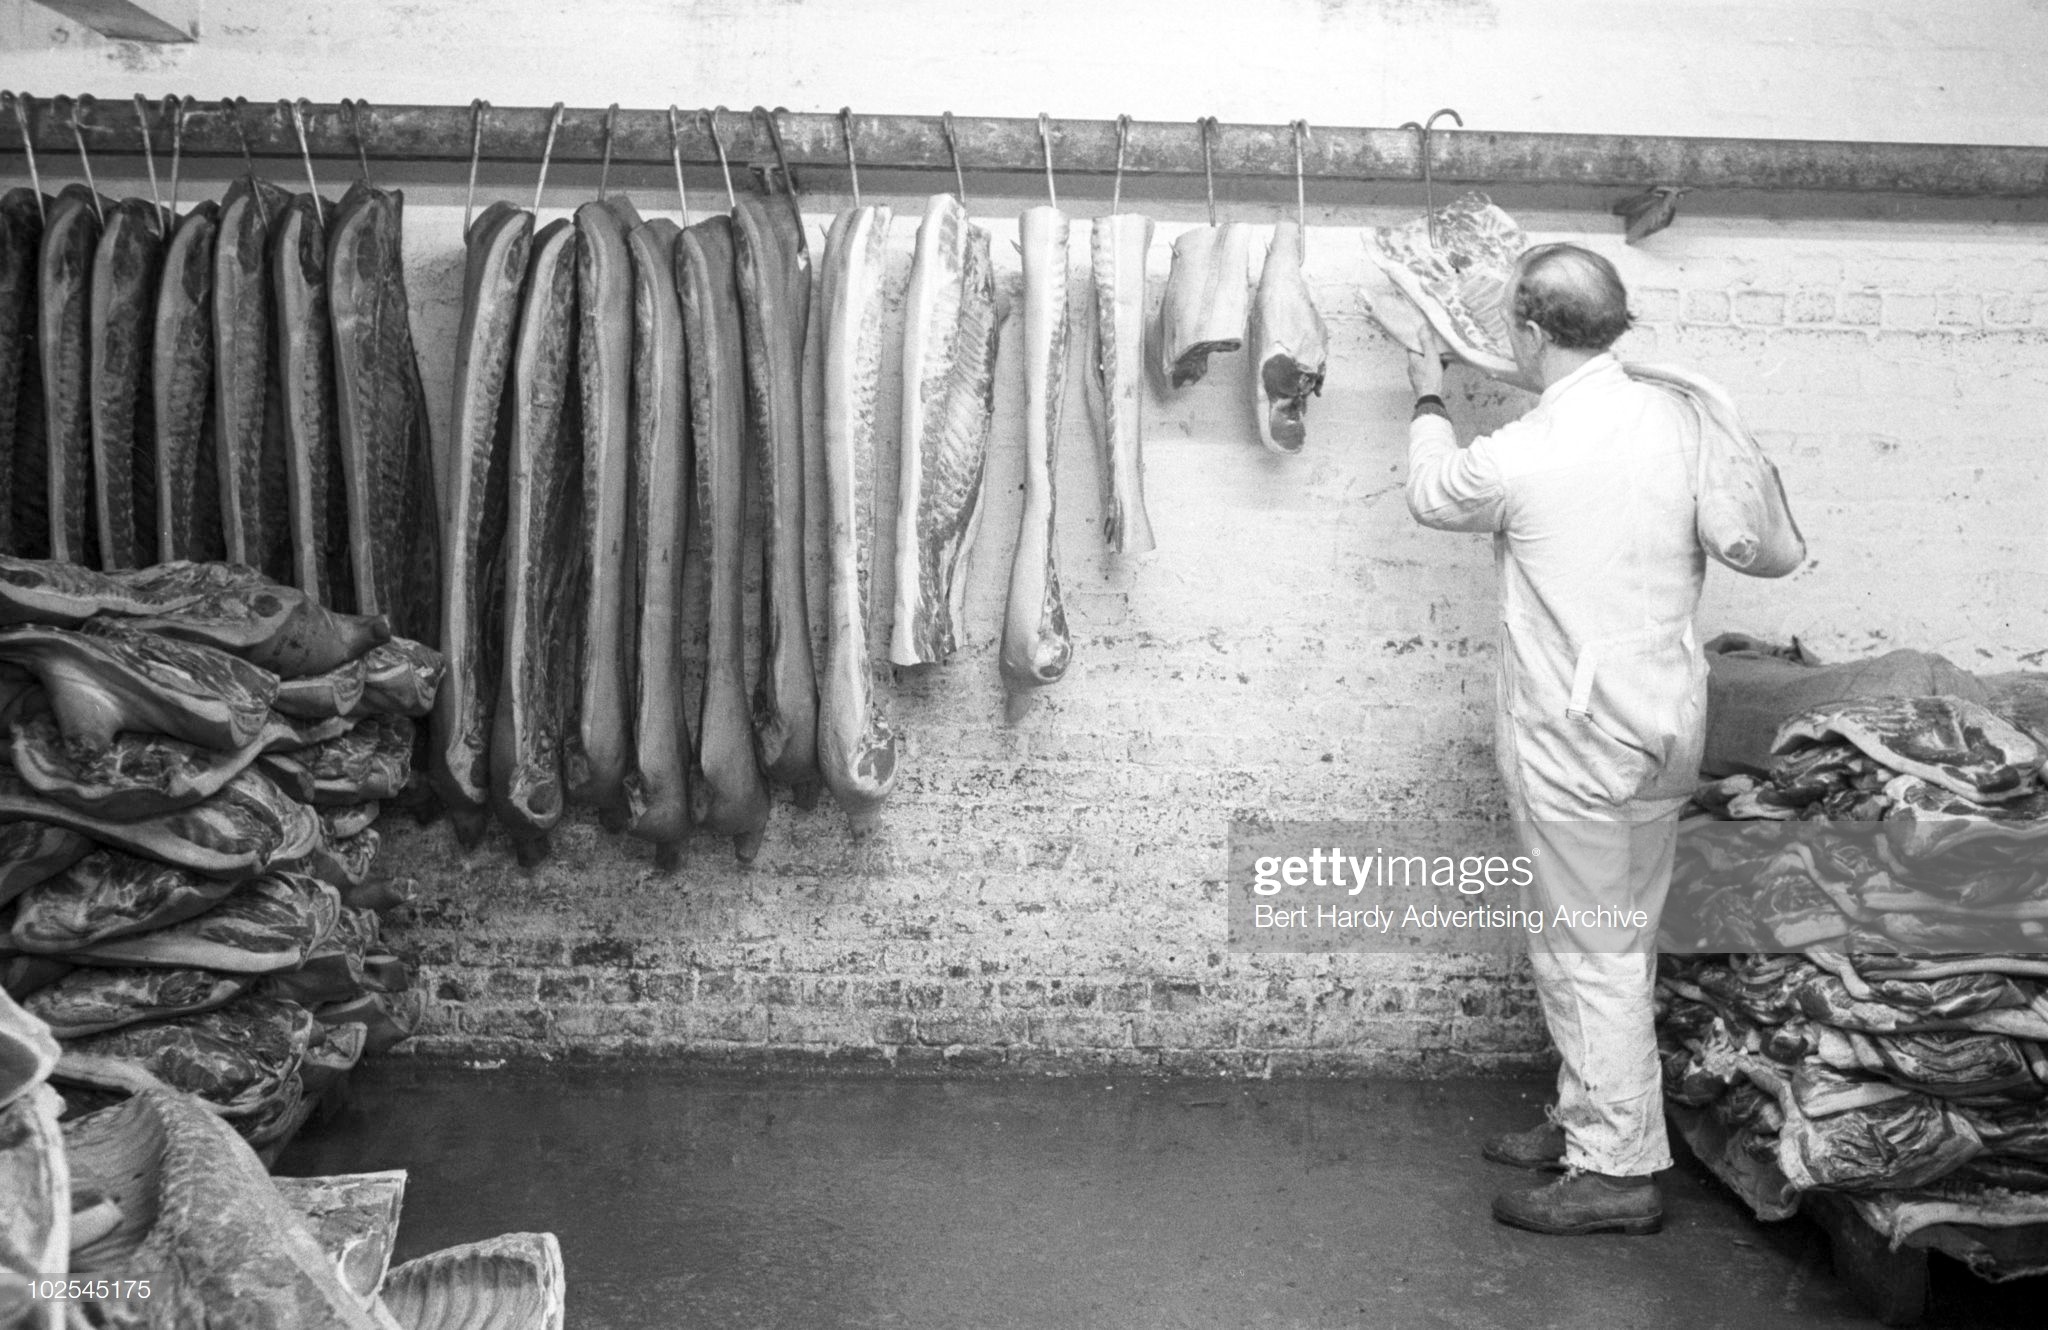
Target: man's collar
[(1591, 369)]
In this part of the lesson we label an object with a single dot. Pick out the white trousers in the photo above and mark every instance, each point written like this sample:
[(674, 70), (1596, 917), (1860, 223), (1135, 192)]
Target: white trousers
[(1596, 982)]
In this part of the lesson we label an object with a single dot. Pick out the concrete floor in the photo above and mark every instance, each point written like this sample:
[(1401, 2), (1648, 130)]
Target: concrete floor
[(714, 1201)]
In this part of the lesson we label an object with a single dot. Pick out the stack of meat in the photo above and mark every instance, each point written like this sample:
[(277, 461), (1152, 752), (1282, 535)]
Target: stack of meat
[(1852, 991), (195, 758)]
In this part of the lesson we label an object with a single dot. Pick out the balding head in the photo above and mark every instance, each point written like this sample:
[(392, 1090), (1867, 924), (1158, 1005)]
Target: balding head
[(1572, 294)]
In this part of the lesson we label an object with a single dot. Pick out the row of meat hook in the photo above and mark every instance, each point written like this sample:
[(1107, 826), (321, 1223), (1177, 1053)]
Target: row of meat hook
[(1045, 142), (1429, 184), (773, 119)]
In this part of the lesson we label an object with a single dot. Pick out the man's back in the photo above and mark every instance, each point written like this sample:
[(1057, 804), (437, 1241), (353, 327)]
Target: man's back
[(1597, 519)]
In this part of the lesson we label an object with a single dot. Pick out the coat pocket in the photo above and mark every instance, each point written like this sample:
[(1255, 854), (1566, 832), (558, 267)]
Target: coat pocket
[(1638, 709)]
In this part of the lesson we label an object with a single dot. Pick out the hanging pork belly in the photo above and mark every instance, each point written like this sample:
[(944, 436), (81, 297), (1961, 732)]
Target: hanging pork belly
[(817, 530), (1036, 647), (1289, 344), (24, 459), (247, 401), (187, 478), (71, 234), (596, 746), (387, 464), (949, 358), (472, 623), (856, 743), (125, 272), (774, 288), (316, 502), (657, 780), (727, 793), (1203, 311), (543, 560), (1114, 384)]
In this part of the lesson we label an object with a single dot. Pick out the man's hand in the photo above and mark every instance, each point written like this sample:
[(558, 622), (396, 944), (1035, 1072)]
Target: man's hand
[(1426, 367)]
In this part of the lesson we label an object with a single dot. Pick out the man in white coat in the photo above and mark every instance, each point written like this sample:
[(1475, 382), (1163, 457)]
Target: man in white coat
[(1600, 711)]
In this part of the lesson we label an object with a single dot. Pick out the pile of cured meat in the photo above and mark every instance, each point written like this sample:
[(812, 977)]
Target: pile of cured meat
[(1865, 1003), (188, 887), (172, 1219)]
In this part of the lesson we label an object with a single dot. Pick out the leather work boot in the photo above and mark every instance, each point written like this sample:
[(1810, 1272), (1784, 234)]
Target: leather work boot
[(1579, 1203), (1540, 1148)]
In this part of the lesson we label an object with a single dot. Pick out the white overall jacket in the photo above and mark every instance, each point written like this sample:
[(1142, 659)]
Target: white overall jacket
[(1602, 685)]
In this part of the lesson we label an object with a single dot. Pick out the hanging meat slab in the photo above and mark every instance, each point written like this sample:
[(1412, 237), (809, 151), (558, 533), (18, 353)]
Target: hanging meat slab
[(316, 495), (109, 894), (595, 749), (188, 524), (1114, 384), (126, 271), (543, 555), (32, 852), (1457, 271), (472, 609), (221, 605), (387, 466), (247, 398), (657, 781), (1289, 344), (94, 1000), (949, 358), (137, 775), (817, 532), (1036, 647), (107, 678), (1203, 311), (71, 235), (24, 458), (774, 287), (856, 742), (728, 795)]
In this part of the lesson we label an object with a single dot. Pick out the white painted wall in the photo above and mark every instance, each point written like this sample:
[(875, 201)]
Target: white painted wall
[(1941, 71)]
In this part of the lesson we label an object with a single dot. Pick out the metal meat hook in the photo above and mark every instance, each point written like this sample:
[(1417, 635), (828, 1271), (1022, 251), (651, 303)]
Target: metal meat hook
[(1428, 182)]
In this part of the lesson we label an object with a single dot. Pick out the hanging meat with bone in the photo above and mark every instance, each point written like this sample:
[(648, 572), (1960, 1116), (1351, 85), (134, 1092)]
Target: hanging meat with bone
[(727, 792), (1114, 381), (1036, 646), (950, 335), (856, 742), (472, 584), (1289, 344)]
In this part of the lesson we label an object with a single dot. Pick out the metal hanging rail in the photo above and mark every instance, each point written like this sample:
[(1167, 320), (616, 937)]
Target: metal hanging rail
[(414, 133)]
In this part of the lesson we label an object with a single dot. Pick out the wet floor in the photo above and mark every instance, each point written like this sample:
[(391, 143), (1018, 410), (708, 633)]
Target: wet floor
[(714, 1201)]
